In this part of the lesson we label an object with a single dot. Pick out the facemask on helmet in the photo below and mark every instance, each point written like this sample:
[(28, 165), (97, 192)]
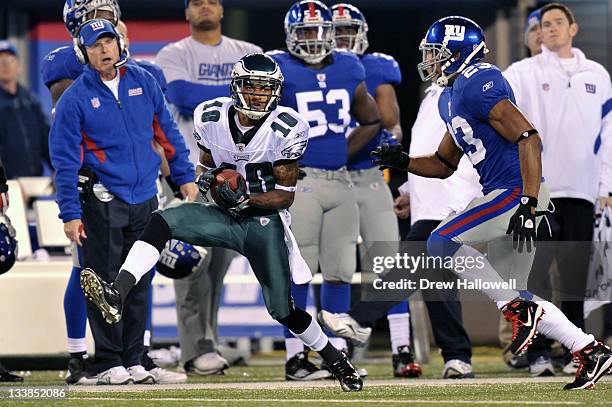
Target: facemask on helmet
[(351, 29), (77, 12), (257, 85), (309, 31)]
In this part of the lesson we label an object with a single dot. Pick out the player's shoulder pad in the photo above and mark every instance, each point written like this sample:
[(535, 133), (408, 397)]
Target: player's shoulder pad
[(296, 121), (278, 55), (480, 74), (348, 63), (61, 63), (387, 66), (341, 54), (220, 104)]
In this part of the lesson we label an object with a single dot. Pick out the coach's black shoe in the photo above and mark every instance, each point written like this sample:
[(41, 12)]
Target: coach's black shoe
[(6, 376), (101, 294), (595, 361), (524, 316), (347, 375), (404, 364), (78, 373), (301, 369)]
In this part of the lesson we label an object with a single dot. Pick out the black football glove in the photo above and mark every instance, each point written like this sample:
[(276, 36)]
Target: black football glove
[(390, 156), (234, 201), (205, 181), (523, 225)]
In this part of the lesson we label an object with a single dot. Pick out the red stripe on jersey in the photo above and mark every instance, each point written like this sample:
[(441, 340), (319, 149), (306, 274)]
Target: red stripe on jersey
[(91, 146), (161, 138)]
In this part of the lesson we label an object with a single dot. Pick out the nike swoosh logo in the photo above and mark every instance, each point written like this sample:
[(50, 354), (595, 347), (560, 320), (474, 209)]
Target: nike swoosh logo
[(591, 376), (528, 323)]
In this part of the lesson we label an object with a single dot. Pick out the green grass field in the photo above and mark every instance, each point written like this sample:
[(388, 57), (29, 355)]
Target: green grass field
[(262, 384)]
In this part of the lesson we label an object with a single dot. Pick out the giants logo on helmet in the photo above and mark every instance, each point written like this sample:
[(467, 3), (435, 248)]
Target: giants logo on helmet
[(454, 32)]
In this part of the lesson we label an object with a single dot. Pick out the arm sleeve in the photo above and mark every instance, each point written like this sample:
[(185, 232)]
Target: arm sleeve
[(199, 129), (65, 150), (292, 147), (605, 184), (167, 135), (483, 91)]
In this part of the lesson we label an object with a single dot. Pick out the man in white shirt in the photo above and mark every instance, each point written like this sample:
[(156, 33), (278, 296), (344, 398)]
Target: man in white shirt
[(198, 68), (568, 97), (428, 201)]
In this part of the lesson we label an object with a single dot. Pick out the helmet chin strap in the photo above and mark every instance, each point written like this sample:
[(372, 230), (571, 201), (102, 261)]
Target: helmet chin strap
[(443, 79)]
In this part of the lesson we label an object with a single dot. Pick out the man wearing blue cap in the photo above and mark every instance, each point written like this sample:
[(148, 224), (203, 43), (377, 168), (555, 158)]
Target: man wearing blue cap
[(24, 129), (533, 33), (104, 126)]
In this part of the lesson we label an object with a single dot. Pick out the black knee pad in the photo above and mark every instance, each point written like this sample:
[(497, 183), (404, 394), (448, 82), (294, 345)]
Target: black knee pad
[(157, 232), (297, 321)]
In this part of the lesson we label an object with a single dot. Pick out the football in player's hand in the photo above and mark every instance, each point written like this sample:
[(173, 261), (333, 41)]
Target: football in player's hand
[(231, 179)]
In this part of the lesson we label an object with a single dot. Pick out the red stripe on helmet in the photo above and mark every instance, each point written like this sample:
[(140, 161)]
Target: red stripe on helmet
[(341, 10), (312, 10)]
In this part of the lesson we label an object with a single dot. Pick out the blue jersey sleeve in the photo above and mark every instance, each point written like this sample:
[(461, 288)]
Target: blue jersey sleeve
[(59, 64), (484, 90), (389, 69)]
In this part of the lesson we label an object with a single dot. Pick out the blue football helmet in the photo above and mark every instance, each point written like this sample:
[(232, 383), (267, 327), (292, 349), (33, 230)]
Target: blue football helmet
[(351, 28), (309, 31), (444, 39), (76, 12), (180, 259), (8, 245)]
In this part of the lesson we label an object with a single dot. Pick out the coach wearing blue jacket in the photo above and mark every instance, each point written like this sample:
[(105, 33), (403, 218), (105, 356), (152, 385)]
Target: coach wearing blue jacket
[(102, 141)]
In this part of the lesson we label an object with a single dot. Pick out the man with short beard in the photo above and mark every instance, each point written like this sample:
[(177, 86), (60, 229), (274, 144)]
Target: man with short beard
[(198, 68)]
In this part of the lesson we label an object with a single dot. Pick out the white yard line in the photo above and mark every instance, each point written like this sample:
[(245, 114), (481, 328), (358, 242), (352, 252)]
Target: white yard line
[(345, 401), (332, 384)]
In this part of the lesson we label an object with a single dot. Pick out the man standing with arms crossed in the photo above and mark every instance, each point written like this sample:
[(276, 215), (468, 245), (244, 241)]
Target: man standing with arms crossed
[(198, 68)]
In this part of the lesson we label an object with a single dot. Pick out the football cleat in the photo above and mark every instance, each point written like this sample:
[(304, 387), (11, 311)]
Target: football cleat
[(300, 368), (345, 372), (6, 376), (541, 367), (78, 374), (595, 361), (101, 294), (457, 369), (404, 364), (165, 357), (524, 316), (344, 326)]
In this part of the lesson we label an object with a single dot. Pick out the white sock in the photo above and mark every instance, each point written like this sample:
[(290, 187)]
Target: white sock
[(147, 338), (399, 330), (339, 343), (554, 324), (76, 345), (141, 258), (293, 347), (313, 336), (483, 271)]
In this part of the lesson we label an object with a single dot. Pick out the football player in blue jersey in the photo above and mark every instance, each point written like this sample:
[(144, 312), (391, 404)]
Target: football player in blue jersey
[(484, 123), (59, 69), (326, 86), (377, 221)]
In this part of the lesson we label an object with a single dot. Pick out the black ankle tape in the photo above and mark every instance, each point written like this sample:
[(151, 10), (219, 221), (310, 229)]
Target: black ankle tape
[(297, 321), (157, 232)]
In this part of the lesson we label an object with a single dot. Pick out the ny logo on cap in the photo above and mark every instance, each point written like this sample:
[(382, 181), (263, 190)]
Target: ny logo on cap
[(454, 32), (97, 25)]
